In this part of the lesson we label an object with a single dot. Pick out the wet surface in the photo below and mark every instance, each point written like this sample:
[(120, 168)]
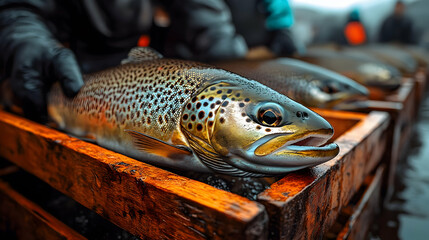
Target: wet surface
[(406, 215)]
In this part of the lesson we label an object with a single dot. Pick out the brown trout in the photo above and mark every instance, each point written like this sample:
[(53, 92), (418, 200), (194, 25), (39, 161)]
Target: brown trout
[(366, 70), (193, 117), (308, 84)]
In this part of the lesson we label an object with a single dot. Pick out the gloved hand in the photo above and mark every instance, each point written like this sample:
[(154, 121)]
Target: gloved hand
[(281, 43), (31, 59)]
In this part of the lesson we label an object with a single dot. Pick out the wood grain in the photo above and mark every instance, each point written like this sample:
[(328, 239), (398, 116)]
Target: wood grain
[(144, 200), (364, 212)]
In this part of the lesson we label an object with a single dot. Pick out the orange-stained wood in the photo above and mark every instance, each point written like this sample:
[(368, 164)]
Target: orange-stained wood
[(402, 106), (364, 212), (144, 200), (26, 220), (305, 204)]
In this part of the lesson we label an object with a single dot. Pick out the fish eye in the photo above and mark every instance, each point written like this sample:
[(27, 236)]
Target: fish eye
[(330, 88), (269, 115)]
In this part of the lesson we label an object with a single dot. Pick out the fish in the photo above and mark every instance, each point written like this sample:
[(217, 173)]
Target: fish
[(366, 70), (388, 54), (420, 54), (308, 84), (190, 116)]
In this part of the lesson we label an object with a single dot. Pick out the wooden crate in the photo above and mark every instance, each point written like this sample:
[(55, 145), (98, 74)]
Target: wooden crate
[(153, 203), (144, 200), (402, 106), (421, 85), (23, 219), (355, 220), (305, 204)]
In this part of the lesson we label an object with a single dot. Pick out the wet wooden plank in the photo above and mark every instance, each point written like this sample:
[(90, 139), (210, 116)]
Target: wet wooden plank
[(402, 108), (305, 204), (23, 219), (363, 213), (144, 200), (421, 84)]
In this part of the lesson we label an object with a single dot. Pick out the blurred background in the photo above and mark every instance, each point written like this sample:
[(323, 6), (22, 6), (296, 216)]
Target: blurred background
[(318, 22)]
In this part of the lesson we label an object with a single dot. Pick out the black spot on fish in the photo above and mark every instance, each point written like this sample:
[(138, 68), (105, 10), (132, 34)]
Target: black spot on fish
[(229, 91), (219, 92), (189, 125), (248, 120), (243, 114), (199, 127), (193, 117), (210, 114), (189, 106), (202, 97), (211, 98), (267, 130), (218, 102), (222, 110), (212, 88), (237, 95), (223, 97), (198, 105), (205, 104), (210, 123), (201, 114), (212, 106), (160, 120), (222, 120), (246, 99), (194, 99), (224, 104), (258, 127), (241, 104), (185, 117)]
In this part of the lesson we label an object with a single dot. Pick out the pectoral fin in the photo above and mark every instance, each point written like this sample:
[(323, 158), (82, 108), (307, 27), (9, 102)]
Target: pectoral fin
[(155, 146)]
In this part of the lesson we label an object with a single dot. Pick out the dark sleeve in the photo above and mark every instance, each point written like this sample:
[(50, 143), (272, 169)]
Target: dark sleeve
[(384, 31), (203, 30)]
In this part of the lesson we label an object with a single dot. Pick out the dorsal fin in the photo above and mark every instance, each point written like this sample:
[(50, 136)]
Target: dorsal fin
[(155, 146), (140, 54)]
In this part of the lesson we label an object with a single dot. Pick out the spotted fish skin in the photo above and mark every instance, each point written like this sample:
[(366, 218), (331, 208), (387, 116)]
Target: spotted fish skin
[(194, 117)]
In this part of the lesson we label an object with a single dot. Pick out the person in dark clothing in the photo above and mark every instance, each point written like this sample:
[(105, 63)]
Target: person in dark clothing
[(210, 30), (99, 34), (397, 27), (32, 56)]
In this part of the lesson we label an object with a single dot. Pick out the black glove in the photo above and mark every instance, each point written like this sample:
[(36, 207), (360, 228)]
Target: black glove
[(31, 59), (281, 43)]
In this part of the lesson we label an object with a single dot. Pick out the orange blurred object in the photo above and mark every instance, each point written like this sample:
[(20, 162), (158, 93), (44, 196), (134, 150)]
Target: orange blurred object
[(355, 33), (144, 41)]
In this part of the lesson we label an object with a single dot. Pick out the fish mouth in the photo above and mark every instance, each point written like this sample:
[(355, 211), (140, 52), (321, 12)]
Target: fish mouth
[(282, 151), (343, 100), (350, 103), (306, 151)]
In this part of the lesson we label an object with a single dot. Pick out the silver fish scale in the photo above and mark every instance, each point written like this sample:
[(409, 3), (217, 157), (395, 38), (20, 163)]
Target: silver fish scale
[(148, 96)]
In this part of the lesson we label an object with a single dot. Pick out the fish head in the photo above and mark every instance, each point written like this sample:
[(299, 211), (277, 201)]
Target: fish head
[(380, 75), (251, 130), (326, 88), (335, 91)]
